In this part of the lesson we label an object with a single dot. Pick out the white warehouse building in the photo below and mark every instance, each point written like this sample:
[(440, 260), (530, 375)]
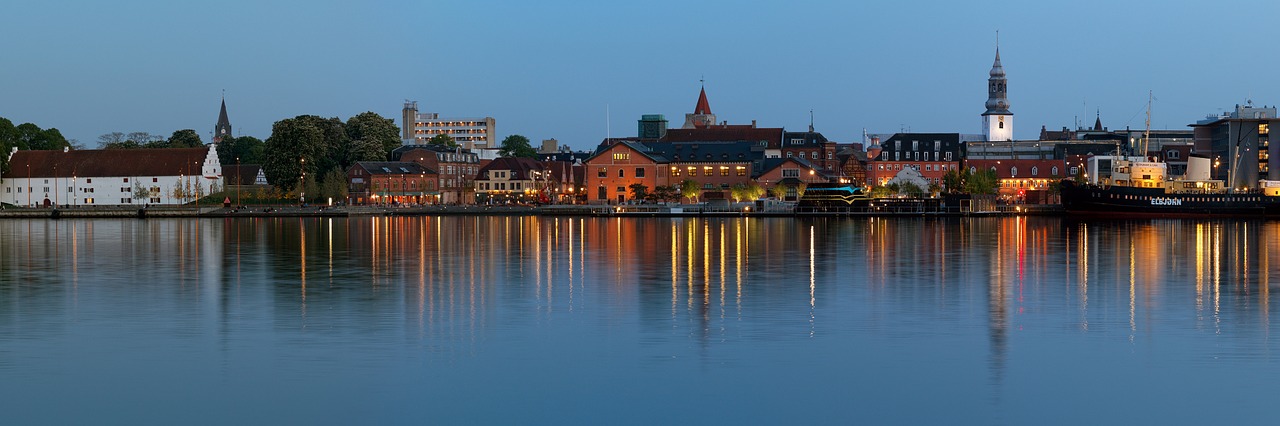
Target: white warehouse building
[(106, 177)]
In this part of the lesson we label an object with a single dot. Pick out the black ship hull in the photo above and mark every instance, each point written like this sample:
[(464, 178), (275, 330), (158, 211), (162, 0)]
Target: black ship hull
[(1117, 201)]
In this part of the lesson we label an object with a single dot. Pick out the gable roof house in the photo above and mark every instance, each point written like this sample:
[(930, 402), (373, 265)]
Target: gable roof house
[(110, 176)]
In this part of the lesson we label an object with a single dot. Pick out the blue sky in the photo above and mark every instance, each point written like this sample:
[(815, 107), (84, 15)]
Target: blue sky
[(548, 69)]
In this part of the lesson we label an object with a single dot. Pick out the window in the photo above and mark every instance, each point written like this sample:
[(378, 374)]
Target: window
[(675, 171), (724, 170), (639, 172), (742, 170), (802, 154), (602, 172), (973, 169), (693, 171), (897, 156), (793, 173), (1035, 171), (622, 190), (622, 172), (1053, 171), (622, 156), (915, 145), (797, 141), (948, 155), (706, 171), (1074, 170), (126, 180), (88, 181), (154, 180), (788, 155)]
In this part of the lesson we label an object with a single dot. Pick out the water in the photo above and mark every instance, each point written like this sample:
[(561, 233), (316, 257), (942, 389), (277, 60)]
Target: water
[(518, 320)]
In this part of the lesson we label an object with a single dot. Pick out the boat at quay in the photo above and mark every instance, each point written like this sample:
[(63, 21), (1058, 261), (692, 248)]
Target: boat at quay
[(1133, 186)]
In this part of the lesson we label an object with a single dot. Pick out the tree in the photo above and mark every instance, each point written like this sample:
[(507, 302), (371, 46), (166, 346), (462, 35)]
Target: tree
[(778, 191), (334, 184), (981, 182), (910, 189), (147, 140), (934, 189), (739, 192), (8, 140), (114, 140), (754, 191), (443, 140), (293, 143), (517, 146), (638, 190), (689, 189), (185, 138), (247, 149), (372, 137), (952, 182), (800, 188)]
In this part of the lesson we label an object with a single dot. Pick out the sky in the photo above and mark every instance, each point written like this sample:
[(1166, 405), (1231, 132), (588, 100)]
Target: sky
[(579, 71)]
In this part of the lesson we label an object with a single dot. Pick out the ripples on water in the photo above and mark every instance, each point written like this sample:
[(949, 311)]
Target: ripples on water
[(607, 320)]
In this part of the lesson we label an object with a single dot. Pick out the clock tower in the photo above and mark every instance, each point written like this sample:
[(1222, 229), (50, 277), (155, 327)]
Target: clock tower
[(997, 122), (223, 128)]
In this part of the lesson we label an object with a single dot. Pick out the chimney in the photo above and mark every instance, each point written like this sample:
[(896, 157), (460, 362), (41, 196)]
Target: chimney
[(753, 124)]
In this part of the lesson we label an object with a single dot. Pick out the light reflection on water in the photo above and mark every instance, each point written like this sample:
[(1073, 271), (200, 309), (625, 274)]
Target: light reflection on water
[(529, 319)]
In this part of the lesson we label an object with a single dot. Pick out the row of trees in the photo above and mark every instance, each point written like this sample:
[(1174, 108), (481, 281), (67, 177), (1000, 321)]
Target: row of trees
[(311, 152), (185, 138), (691, 189), (28, 136)]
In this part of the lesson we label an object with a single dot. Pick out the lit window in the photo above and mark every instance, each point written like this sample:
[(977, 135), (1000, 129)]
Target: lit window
[(602, 172)]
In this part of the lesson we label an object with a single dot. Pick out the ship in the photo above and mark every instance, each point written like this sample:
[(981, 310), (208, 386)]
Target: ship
[(1118, 186)]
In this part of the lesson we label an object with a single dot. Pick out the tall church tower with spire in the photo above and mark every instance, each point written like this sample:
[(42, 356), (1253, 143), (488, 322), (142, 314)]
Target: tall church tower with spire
[(997, 122), (702, 117), (223, 128)]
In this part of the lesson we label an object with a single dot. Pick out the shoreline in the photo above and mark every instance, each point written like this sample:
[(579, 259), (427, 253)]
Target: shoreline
[(116, 212)]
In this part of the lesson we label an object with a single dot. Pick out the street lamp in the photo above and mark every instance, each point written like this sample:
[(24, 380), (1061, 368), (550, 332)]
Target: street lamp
[(302, 184), (239, 170)]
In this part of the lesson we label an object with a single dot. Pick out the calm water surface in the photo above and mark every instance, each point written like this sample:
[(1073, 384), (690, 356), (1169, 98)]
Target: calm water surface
[(483, 320)]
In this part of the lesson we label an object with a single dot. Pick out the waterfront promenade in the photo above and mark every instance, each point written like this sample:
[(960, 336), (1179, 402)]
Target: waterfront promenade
[(642, 210)]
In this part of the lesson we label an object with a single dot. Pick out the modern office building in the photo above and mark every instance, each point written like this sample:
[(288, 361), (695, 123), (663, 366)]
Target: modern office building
[(1238, 144)]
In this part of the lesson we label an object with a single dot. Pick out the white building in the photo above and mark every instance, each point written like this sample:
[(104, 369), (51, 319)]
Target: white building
[(110, 177), (997, 121), (418, 128)]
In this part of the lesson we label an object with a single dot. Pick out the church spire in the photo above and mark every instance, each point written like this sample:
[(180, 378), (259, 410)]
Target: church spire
[(703, 107), (997, 121), (1097, 124), (223, 128)]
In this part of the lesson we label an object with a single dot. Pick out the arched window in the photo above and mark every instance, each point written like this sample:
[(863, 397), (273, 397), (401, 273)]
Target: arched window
[(1013, 171), (974, 169), (1053, 171), (1035, 171)]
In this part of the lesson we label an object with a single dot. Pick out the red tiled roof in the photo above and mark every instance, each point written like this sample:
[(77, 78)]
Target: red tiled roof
[(703, 107), (107, 162)]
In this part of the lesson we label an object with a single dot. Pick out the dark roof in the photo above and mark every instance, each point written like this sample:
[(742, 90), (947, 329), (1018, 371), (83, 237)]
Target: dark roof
[(244, 174), (519, 166), (808, 138), (567, 157), (396, 153), (222, 116), (685, 152), (765, 165), (393, 168), (715, 133), (108, 162)]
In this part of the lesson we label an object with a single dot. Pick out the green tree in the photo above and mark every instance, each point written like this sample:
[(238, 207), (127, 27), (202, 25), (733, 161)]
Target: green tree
[(442, 140), (248, 149), (333, 185), (372, 137), (801, 188), (739, 192), (638, 191), (778, 191), (883, 191), (517, 146), (934, 189), (981, 182), (294, 143), (910, 189), (690, 188), (754, 191), (952, 182), (185, 138), (8, 140)]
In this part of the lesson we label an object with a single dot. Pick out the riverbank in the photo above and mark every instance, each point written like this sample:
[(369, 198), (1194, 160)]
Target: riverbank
[(687, 210)]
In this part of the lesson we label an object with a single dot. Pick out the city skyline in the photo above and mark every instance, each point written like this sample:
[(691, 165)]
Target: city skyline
[(556, 70)]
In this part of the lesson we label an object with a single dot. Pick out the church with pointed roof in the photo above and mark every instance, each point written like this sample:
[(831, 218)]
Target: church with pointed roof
[(223, 128), (997, 121), (702, 117)]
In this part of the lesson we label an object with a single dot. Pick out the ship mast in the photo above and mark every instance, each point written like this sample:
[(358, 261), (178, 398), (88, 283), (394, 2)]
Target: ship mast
[(1146, 135)]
